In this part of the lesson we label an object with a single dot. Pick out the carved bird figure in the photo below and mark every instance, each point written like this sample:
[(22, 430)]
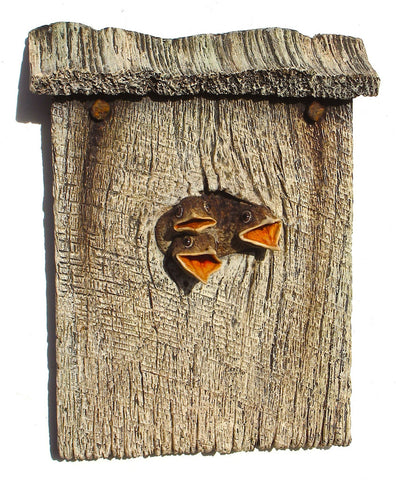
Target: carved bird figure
[(241, 226), (190, 215), (196, 255)]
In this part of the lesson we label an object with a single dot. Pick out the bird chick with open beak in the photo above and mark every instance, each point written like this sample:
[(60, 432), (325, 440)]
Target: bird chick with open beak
[(242, 225), (190, 215), (196, 255)]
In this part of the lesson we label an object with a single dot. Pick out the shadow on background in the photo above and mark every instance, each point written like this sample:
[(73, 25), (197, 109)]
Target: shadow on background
[(33, 108)]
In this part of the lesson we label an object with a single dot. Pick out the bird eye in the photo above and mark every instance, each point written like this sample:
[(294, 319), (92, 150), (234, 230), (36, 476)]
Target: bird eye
[(207, 207), (179, 211), (246, 216), (187, 242)]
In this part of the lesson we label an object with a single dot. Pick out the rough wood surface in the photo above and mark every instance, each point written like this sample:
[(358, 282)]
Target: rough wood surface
[(257, 358), (70, 58)]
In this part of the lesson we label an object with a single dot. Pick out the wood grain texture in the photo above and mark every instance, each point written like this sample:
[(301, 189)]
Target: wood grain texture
[(70, 58), (257, 358)]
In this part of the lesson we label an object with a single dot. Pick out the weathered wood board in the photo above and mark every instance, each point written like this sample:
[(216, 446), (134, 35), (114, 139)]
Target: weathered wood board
[(260, 356)]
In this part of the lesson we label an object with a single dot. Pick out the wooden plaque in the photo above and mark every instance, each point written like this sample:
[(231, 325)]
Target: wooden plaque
[(259, 357)]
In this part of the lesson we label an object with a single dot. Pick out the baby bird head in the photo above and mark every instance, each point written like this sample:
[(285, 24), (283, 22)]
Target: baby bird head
[(192, 214), (196, 255), (257, 226)]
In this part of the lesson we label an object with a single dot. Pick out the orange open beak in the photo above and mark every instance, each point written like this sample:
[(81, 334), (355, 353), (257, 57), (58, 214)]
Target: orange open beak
[(200, 265), (265, 236), (195, 224)]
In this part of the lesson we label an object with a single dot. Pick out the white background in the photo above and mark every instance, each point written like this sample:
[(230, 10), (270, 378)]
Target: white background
[(25, 449)]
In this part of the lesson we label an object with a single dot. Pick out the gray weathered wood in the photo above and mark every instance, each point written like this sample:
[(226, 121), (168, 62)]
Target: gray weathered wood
[(70, 58), (258, 357)]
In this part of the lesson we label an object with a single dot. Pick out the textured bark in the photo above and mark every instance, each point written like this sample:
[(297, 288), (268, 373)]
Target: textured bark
[(69, 58), (257, 358)]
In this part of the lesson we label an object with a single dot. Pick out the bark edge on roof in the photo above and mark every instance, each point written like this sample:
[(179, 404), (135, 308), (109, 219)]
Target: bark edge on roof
[(71, 58)]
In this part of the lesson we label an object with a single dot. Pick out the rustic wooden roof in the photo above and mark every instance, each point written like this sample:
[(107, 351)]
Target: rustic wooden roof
[(70, 58)]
